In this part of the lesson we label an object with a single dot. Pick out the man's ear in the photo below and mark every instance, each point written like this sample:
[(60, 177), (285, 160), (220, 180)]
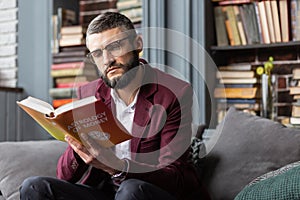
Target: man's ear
[(138, 42)]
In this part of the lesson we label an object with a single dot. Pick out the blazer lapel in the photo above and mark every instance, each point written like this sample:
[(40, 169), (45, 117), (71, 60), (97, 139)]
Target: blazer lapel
[(142, 119)]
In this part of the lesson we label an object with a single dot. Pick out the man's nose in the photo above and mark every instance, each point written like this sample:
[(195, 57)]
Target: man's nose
[(107, 58)]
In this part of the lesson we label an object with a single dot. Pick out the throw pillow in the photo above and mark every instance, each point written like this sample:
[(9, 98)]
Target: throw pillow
[(285, 185), (20, 160), (244, 147)]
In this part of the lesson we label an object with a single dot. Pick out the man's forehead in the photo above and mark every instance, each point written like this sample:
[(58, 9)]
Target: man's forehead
[(108, 36)]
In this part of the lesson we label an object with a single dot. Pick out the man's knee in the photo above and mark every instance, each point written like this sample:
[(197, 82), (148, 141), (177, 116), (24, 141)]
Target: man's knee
[(132, 188), (32, 187)]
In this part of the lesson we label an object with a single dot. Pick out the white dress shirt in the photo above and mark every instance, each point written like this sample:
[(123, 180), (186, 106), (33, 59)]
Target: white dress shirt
[(125, 115)]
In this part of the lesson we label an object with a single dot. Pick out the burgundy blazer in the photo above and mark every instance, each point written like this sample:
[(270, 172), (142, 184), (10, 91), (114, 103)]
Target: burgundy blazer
[(162, 134)]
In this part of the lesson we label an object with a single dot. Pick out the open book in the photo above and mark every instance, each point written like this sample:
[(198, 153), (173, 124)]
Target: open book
[(88, 115)]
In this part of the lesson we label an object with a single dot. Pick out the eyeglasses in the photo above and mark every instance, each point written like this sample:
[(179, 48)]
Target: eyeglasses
[(114, 48)]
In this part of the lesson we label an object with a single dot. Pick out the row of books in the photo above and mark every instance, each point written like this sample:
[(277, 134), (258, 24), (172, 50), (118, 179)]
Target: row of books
[(132, 9), (238, 86), (70, 70), (247, 22), (295, 92)]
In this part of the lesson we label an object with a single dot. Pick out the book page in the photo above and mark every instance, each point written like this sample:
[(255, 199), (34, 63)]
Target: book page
[(37, 104)]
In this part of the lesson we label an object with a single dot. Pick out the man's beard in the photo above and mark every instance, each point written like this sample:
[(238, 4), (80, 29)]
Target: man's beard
[(130, 70)]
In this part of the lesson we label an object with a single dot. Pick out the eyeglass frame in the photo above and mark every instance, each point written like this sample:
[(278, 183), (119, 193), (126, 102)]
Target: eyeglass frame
[(91, 57)]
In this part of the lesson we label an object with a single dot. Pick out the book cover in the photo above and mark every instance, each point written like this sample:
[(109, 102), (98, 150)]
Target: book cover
[(237, 67), (233, 25), (275, 14), (57, 60), (72, 79), (62, 93), (238, 81), (70, 85), (235, 74), (284, 20), (258, 22), (228, 27), (70, 65), (270, 21), (221, 34), (253, 26), (240, 25), (241, 93), (86, 116), (264, 22), (75, 29), (96, 5), (294, 90)]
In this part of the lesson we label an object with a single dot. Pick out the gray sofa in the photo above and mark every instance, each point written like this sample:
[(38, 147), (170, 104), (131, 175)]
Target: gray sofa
[(243, 148)]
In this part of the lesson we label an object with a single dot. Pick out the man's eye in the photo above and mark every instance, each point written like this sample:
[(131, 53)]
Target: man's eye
[(113, 47), (97, 53)]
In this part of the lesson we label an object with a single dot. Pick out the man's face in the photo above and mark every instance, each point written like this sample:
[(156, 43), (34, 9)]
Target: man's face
[(115, 56)]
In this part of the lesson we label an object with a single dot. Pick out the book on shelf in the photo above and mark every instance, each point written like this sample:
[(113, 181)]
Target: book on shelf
[(237, 67), (238, 81), (284, 20), (258, 22), (71, 30), (134, 14), (70, 85), (96, 5), (296, 73), (295, 120), (71, 72), (68, 65), (85, 116), (270, 22), (235, 74), (238, 85), (248, 16), (293, 17), (230, 2), (63, 93), (62, 54), (66, 17), (276, 21), (85, 17), (263, 22), (241, 93), (296, 110), (128, 4), (65, 42), (240, 25), (221, 33), (231, 25), (294, 90), (73, 79), (67, 59)]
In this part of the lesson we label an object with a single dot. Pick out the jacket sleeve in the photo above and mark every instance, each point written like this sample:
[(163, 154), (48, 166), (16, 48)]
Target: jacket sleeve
[(70, 166)]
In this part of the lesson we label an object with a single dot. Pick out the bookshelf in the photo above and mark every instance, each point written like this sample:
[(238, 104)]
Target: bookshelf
[(285, 52)]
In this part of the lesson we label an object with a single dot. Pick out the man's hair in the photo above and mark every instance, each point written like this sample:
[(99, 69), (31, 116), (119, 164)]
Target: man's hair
[(110, 20)]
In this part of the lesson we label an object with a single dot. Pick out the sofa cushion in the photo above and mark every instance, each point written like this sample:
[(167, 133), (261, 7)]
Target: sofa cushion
[(244, 147), (280, 184), (19, 160)]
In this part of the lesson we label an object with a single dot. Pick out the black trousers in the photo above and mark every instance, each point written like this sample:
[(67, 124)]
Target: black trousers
[(48, 188)]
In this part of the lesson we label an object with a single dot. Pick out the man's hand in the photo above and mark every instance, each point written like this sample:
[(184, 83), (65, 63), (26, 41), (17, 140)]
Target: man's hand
[(95, 155)]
